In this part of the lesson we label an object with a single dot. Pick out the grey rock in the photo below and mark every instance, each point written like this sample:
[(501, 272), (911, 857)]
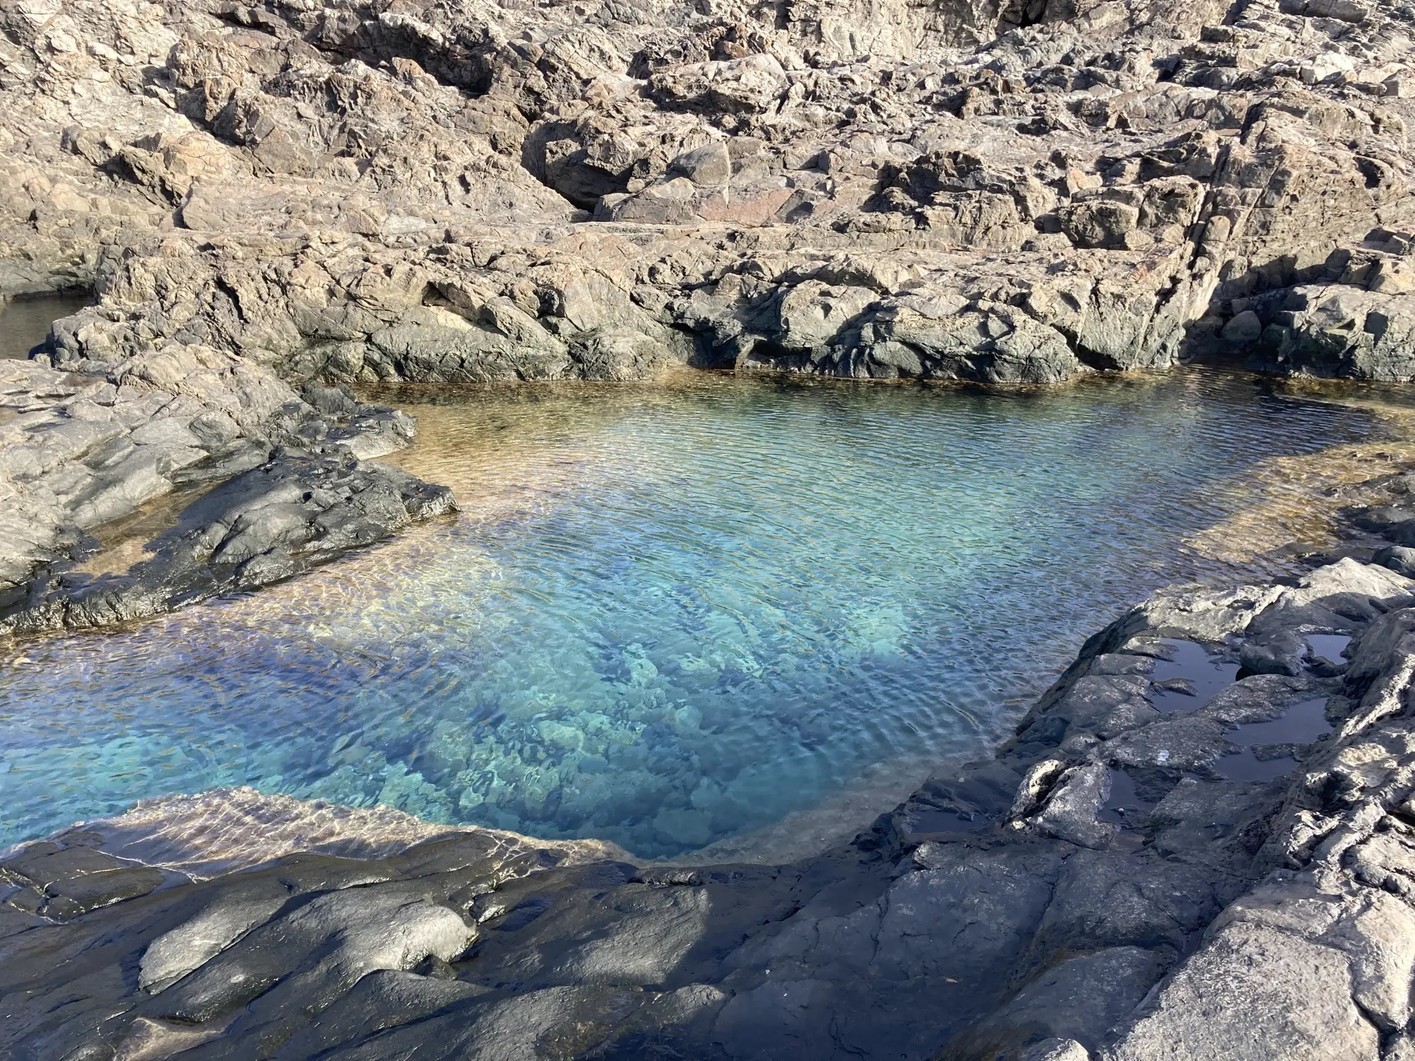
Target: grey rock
[(1244, 327), (269, 524), (1070, 807), (708, 166), (1302, 988), (1056, 1050), (271, 202), (1341, 331), (1079, 998)]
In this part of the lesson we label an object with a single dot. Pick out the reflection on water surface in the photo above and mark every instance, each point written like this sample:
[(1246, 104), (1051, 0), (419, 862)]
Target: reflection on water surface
[(24, 324)]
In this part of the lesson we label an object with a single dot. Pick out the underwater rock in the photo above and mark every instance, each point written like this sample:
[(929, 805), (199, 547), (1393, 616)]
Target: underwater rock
[(1223, 915)]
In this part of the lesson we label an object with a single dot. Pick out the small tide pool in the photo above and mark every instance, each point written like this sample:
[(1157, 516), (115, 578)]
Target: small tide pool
[(673, 615), (24, 323)]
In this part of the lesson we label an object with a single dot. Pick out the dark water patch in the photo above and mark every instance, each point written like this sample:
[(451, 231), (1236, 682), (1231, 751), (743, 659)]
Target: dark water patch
[(1264, 749), (1191, 676), (1301, 723), (1250, 765), (1125, 805), (670, 615), (24, 323), (945, 821), (1329, 647)]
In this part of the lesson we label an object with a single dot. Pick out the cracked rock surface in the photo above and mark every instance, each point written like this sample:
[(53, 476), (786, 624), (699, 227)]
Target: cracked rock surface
[(1198, 844), (267, 197)]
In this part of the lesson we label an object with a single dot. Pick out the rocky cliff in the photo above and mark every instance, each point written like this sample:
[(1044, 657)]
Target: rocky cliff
[(460, 191)]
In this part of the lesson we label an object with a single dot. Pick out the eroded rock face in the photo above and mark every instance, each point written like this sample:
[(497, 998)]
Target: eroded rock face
[(421, 177), (271, 523), (1354, 322), (269, 201), (80, 449)]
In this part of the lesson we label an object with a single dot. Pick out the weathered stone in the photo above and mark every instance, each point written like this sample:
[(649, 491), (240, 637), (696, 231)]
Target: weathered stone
[(1302, 989), (1207, 926), (273, 522)]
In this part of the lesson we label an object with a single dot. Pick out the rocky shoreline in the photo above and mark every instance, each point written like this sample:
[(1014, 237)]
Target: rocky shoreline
[(270, 201), (1198, 842), (1197, 845)]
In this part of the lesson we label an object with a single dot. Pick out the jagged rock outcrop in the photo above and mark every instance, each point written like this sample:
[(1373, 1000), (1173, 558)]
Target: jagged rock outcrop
[(81, 449), (1193, 157), (266, 525), (268, 201), (1356, 321)]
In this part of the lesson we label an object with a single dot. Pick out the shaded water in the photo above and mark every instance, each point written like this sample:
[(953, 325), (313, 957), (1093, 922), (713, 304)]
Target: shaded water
[(668, 615), (24, 324), (1263, 751)]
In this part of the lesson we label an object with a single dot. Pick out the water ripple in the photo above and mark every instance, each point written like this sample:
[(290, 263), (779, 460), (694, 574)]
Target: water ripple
[(669, 616)]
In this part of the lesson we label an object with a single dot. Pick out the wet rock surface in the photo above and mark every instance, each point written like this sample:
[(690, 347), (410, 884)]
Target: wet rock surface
[(1108, 886), (265, 525), (82, 449)]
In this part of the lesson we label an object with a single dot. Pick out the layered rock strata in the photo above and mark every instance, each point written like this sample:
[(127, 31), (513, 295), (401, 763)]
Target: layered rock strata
[(81, 449), (417, 190)]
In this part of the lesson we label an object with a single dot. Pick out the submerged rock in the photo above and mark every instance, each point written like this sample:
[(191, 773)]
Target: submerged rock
[(1214, 918)]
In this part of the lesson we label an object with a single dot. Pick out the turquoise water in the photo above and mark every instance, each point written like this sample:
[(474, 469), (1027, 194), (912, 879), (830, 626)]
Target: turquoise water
[(667, 616)]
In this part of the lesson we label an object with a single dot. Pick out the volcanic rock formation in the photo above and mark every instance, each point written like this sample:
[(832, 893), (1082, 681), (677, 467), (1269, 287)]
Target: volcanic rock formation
[(1173, 858), (266, 196), (270, 202)]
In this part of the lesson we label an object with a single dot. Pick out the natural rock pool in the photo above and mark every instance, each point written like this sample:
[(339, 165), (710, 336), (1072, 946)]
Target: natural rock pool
[(669, 615), (25, 324)]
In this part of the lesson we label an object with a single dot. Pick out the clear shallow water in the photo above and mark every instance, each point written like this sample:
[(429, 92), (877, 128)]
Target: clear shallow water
[(668, 615)]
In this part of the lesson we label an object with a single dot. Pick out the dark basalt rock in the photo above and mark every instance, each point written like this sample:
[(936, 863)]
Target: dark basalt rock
[(80, 449), (293, 512)]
